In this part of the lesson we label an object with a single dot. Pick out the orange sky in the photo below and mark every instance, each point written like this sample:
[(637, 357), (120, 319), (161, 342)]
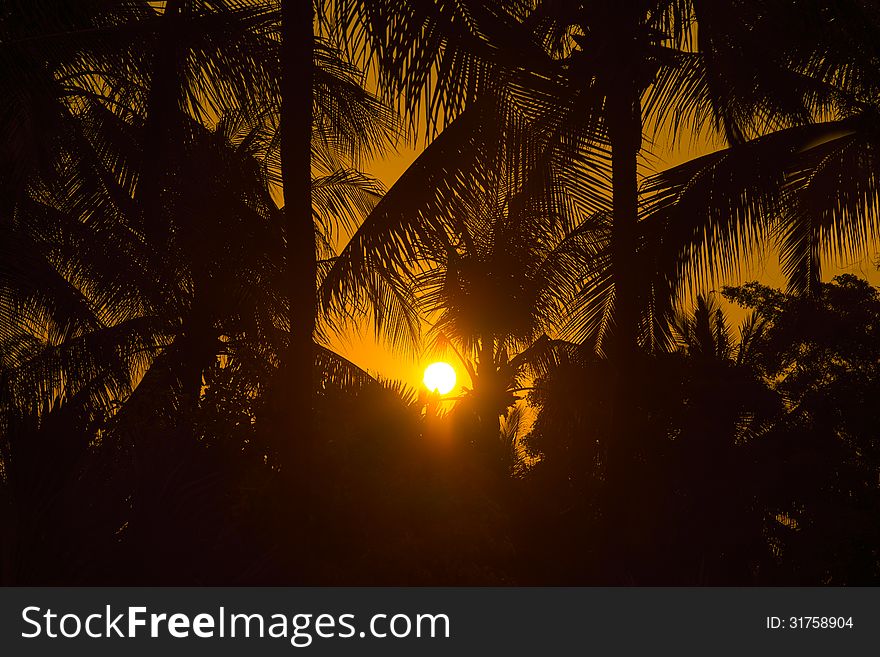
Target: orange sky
[(360, 347)]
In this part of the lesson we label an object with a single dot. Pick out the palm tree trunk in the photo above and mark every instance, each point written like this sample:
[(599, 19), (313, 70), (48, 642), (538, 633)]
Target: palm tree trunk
[(292, 411), (621, 497), (160, 134), (297, 53), (485, 389), (625, 132)]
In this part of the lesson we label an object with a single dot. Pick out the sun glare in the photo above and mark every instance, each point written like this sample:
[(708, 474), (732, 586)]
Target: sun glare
[(439, 377)]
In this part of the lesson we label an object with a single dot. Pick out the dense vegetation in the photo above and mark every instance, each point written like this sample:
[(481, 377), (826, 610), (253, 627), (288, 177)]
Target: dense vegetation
[(186, 224)]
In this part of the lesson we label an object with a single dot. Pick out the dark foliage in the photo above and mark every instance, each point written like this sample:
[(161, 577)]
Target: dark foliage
[(170, 409)]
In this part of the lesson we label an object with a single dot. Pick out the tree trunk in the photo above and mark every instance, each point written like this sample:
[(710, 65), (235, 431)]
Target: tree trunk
[(625, 133), (297, 387), (487, 382), (621, 454), (162, 139)]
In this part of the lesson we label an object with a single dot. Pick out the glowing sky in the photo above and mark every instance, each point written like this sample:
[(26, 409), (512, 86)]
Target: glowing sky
[(360, 346)]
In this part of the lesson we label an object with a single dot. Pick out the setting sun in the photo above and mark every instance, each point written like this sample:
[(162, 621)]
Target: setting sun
[(439, 377)]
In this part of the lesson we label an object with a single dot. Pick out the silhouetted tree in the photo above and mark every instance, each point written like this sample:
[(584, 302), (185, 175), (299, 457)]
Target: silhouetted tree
[(165, 320), (122, 332), (496, 291), (820, 460), (296, 170)]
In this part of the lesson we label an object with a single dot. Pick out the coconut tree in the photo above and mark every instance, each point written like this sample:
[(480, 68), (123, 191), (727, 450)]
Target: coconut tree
[(91, 329), (73, 72), (497, 289), (111, 291), (631, 66), (615, 71), (810, 191), (297, 43), (611, 72)]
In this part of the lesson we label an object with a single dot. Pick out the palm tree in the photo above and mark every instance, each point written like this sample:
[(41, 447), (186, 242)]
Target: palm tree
[(599, 74), (608, 71), (158, 67), (92, 328), (107, 73), (297, 42), (496, 291), (810, 190), (112, 294), (618, 66)]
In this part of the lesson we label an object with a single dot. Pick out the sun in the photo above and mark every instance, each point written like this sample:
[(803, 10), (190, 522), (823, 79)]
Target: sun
[(439, 377)]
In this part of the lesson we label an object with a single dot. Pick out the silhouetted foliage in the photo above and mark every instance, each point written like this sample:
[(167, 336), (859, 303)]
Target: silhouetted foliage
[(171, 410), (759, 459)]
